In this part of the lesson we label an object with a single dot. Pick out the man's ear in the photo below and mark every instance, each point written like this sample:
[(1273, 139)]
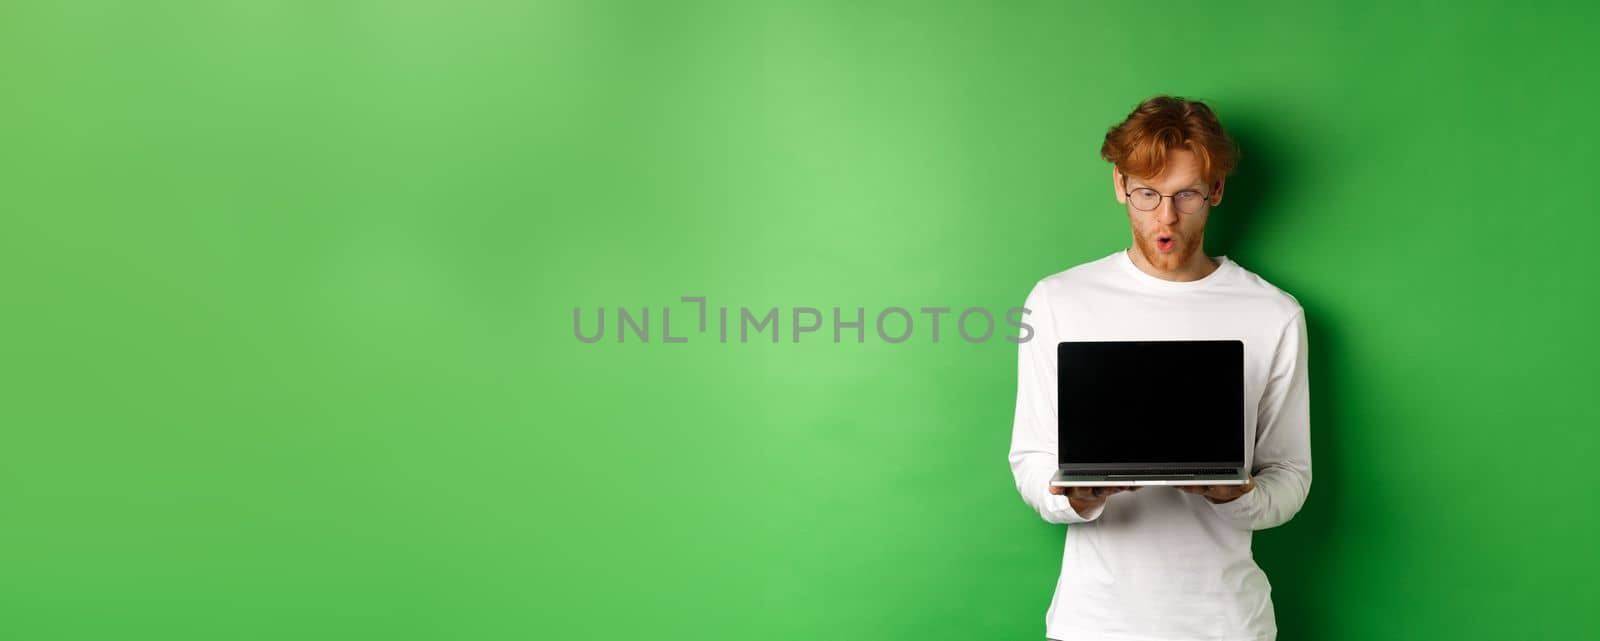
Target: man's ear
[(1119, 185), (1216, 194)]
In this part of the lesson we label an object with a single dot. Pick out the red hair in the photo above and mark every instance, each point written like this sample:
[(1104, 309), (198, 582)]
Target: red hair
[(1138, 146)]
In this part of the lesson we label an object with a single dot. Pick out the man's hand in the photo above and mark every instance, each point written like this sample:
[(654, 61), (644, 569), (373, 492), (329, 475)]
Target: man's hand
[(1084, 499), (1221, 493)]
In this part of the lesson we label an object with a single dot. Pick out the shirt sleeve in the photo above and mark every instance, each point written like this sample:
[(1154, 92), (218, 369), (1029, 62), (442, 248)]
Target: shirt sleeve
[(1033, 431), (1282, 461)]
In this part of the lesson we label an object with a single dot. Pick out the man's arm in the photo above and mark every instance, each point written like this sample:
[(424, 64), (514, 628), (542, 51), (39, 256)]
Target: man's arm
[(1282, 465), (1033, 430)]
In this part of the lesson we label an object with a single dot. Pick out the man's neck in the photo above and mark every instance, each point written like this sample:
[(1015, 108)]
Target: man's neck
[(1197, 267)]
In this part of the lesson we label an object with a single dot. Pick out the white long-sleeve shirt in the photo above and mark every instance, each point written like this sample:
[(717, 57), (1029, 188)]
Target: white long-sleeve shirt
[(1157, 563)]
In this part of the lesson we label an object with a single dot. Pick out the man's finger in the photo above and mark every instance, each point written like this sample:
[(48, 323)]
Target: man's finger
[(1236, 491)]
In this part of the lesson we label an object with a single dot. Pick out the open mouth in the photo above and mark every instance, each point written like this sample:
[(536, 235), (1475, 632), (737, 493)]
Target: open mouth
[(1164, 243)]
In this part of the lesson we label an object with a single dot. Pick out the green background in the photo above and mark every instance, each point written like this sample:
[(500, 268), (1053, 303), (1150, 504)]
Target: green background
[(288, 289)]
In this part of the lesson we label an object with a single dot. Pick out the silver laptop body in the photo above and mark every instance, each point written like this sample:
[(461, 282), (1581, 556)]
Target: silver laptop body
[(1165, 412)]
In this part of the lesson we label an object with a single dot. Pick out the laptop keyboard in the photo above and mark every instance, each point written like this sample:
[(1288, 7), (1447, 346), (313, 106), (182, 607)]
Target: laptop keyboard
[(1207, 472)]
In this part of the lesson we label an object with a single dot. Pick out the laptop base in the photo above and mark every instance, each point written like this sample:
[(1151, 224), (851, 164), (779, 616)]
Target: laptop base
[(1062, 479)]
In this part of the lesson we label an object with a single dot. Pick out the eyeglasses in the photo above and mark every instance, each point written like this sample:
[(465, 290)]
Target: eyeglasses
[(1187, 201)]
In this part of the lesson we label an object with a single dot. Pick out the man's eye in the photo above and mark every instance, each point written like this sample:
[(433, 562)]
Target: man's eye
[(1145, 193), (1188, 195)]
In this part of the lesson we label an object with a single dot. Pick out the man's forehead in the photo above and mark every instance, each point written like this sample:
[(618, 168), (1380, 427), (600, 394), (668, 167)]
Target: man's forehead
[(1197, 183)]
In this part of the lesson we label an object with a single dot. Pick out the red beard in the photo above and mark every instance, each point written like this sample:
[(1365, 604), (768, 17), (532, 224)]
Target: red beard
[(1183, 250)]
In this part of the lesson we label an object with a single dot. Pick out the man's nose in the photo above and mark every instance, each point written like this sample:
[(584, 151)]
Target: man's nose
[(1167, 211)]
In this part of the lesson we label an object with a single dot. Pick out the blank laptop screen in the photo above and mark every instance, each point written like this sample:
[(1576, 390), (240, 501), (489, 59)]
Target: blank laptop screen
[(1151, 401)]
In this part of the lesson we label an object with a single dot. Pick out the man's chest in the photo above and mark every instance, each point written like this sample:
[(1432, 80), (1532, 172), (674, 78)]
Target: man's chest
[(1157, 318)]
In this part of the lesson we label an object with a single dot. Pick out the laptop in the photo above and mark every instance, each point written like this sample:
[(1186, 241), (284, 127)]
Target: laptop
[(1165, 412)]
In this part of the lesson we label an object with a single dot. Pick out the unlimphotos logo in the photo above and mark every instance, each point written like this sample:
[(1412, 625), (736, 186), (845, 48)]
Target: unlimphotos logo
[(893, 324)]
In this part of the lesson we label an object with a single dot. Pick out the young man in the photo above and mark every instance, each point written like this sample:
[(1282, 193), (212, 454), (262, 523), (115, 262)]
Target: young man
[(1163, 562)]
